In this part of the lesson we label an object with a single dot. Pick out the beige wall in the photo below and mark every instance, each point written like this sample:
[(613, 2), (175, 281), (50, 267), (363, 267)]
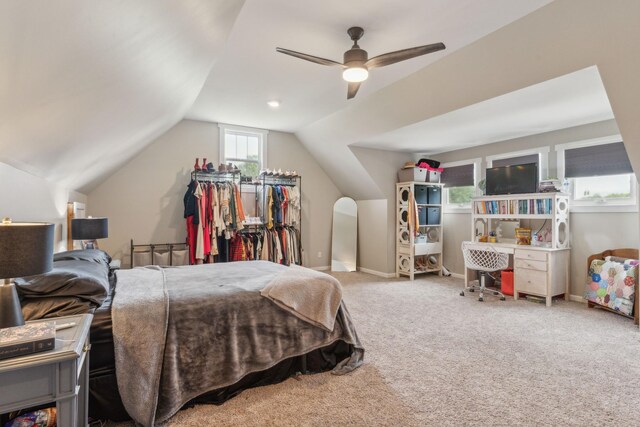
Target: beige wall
[(26, 197), (590, 232), (319, 193), (373, 224), (382, 167), (143, 199)]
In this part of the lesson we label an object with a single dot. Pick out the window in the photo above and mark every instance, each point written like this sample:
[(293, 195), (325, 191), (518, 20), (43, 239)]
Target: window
[(537, 155), (460, 180), (599, 174), (244, 147)]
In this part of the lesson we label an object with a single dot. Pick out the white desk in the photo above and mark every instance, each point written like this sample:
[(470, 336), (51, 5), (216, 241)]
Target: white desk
[(537, 270)]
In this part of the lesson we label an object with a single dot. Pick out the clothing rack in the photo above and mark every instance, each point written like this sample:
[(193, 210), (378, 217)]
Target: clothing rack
[(216, 176), (220, 177), (282, 180), (263, 181)]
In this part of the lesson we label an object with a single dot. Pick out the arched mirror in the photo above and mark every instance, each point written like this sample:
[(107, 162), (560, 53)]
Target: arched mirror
[(344, 242)]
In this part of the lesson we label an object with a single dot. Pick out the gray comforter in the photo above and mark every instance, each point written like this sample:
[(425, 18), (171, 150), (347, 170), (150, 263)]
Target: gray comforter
[(180, 332)]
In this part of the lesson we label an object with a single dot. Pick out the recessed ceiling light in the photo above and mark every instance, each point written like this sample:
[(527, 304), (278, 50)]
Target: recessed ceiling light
[(273, 104)]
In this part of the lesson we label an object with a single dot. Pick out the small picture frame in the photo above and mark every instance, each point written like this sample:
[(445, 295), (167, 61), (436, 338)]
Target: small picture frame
[(523, 236)]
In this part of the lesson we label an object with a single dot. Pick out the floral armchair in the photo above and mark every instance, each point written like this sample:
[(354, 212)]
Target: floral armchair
[(613, 281)]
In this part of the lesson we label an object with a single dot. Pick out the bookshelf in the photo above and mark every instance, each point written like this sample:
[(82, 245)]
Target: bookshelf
[(488, 211), (422, 253), (542, 268)]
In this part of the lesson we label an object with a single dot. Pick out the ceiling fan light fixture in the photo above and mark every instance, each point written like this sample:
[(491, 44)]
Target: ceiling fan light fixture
[(355, 74), (356, 62)]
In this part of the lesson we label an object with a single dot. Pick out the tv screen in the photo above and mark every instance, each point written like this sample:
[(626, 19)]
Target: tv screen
[(518, 179)]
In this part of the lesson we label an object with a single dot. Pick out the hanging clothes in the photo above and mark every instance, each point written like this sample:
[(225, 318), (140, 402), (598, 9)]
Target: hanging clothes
[(211, 210)]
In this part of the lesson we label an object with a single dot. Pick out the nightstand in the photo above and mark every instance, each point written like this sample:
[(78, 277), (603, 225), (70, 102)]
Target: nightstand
[(60, 375)]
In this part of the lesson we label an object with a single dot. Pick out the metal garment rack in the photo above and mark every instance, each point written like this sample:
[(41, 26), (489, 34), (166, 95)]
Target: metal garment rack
[(219, 177), (289, 181), (263, 180)]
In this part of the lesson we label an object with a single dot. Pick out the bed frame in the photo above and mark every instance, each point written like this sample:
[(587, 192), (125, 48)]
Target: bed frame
[(152, 247)]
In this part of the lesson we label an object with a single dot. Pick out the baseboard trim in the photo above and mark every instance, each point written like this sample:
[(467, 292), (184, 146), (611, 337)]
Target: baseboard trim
[(321, 268), (457, 275), (577, 298), (377, 273)]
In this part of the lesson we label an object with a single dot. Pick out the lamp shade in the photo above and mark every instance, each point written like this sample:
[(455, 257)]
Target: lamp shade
[(26, 249), (89, 228)]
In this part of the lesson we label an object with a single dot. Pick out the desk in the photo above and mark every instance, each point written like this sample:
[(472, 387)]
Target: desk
[(60, 375), (537, 270)]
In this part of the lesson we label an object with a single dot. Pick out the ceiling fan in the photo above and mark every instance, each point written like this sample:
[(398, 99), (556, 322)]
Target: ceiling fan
[(357, 63)]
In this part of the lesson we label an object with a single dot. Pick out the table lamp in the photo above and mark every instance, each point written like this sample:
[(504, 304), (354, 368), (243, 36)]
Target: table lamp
[(89, 230), (26, 249)]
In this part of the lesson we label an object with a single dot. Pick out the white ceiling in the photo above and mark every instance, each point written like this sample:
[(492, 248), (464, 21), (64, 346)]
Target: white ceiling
[(86, 85), (250, 72), (571, 100)]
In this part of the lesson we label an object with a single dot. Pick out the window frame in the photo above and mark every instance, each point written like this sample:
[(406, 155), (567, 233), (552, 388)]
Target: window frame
[(262, 135), (594, 206), (477, 176), (543, 159)]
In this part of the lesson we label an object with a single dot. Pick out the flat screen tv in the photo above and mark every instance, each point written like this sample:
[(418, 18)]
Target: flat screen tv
[(518, 179)]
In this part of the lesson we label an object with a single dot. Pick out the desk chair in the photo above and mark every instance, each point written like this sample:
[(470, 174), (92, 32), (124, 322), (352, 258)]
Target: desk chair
[(485, 259)]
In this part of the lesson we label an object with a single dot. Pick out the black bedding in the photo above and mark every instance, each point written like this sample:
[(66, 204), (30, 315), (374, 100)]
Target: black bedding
[(104, 397)]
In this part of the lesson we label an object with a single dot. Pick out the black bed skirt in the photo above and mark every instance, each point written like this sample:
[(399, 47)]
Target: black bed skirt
[(105, 402)]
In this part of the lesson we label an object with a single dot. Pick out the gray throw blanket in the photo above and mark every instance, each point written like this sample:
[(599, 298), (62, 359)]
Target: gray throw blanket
[(181, 332), (311, 295)]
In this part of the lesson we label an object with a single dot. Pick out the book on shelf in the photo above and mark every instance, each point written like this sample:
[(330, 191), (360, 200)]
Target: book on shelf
[(514, 207), (30, 338)]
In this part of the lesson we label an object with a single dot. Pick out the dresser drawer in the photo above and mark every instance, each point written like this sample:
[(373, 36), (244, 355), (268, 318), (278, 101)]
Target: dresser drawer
[(530, 264), (531, 255), (531, 281)]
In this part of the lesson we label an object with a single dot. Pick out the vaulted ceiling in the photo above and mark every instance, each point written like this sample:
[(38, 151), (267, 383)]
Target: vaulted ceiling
[(84, 86)]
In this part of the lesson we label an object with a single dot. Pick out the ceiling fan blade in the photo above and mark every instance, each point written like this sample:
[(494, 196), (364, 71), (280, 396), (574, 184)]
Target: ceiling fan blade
[(353, 89), (311, 58), (401, 55)]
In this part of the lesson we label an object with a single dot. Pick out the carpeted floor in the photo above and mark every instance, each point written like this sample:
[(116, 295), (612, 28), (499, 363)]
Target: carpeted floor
[(434, 358)]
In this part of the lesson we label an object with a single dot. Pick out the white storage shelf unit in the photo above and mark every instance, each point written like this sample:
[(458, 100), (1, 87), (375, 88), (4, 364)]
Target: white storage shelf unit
[(488, 210), (422, 253)]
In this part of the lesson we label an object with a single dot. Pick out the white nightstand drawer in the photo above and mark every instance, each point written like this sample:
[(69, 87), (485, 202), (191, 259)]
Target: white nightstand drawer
[(531, 255), (530, 264), (531, 281)]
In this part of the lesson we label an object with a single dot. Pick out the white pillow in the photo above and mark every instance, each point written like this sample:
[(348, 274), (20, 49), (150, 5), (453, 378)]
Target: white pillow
[(141, 259), (180, 257), (161, 258)]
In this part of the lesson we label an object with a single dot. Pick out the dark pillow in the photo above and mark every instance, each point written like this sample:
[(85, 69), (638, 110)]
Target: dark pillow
[(94, 255), (40, 308), (88, 281)]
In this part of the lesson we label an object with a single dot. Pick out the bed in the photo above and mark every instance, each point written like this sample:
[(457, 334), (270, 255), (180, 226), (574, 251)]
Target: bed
[(205, 334)]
